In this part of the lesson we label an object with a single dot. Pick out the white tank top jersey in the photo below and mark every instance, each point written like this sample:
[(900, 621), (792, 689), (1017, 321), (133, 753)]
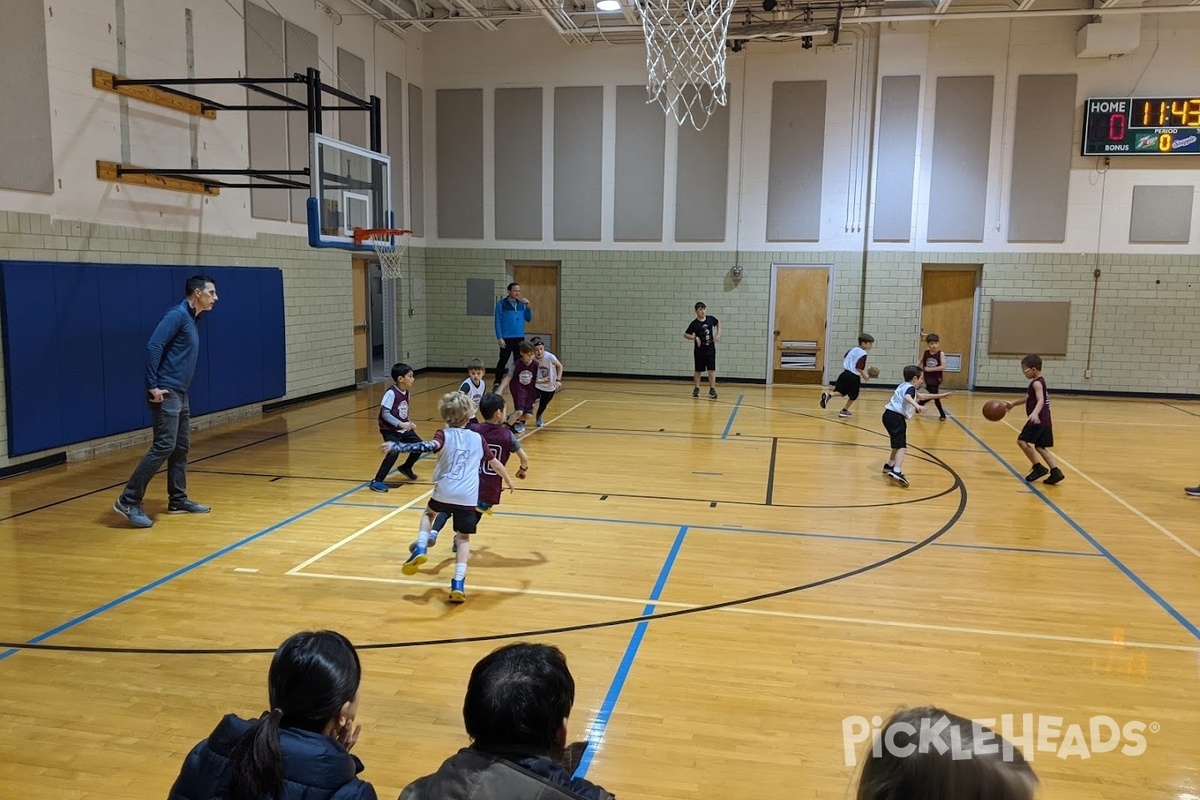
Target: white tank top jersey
[(547, 372), (897, 403), (475, 393), (850, 362), (456, 476)]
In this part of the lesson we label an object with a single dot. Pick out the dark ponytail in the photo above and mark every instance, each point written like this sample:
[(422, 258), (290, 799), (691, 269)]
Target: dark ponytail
[(313, 674), (257, 760)]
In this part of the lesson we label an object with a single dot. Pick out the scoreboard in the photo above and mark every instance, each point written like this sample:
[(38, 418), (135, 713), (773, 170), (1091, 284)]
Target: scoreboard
[(1142, 126)]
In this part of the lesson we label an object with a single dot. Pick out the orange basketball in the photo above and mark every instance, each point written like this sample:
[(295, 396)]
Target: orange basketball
[(995, 410)]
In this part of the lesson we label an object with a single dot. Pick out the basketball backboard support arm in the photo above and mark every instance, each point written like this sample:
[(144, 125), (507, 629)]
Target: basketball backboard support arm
[(314, 103)]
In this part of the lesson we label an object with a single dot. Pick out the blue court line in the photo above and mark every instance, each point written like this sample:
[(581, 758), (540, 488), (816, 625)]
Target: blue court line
[(1104, 551), (732, 414), (41, 637), (600, 724), (766, 531)]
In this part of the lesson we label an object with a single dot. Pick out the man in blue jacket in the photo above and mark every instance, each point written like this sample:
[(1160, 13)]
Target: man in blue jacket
[(170, 364), (512, 312)]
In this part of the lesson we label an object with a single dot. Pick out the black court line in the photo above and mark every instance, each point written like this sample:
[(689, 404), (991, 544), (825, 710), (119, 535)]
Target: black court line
[(254, 443), (1184, 410), (771, 472), (958, 486)]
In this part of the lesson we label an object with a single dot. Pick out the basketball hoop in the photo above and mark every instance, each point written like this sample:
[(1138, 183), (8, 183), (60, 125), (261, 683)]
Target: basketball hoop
[(390, 244), (685, 56)]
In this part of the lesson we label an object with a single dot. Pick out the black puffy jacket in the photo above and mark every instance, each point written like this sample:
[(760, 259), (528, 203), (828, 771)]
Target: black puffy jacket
[(315, 767)]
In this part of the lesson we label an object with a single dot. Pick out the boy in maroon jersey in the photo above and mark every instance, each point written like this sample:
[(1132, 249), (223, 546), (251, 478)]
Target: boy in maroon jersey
[(933, 364), (500, 442), (395, 426), (1037, 437), (522, 381)]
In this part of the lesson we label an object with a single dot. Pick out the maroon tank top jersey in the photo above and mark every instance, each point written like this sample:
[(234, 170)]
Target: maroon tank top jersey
[(497, 443), (524, 390), (930, 359), (398, 409), (1031, 401)]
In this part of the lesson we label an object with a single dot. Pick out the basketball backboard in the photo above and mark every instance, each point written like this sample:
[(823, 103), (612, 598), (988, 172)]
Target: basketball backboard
[(351, 188)]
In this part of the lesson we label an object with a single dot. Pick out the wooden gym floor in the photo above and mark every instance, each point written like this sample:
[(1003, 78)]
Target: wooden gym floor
[(797, 590)]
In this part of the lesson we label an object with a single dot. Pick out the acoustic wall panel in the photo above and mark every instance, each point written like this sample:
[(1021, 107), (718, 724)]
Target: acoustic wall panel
[(416, 160), (301, 54), (518, 163), (460, 163), (578, 162), (962, 134), (796, 161), (641, 159), (1161, 215), (268, 130), (896, 157), (353, 126), (1041, 160), (28, 161), (702, 180), (393, 141)]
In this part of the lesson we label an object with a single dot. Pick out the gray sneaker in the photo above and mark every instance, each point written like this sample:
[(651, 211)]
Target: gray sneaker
[(186, 506), (137, 518)]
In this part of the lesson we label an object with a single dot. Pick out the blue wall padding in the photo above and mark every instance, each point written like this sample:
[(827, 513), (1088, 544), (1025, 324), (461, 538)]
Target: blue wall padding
[(75, 345)]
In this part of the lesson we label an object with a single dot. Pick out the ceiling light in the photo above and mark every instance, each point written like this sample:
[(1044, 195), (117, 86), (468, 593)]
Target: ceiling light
[(608, 5)]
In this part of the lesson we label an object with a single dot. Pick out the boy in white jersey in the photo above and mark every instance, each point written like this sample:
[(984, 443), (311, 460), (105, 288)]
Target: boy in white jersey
[(854, 372), (455, 485), (473, 386), (549, 376), (905, 402)]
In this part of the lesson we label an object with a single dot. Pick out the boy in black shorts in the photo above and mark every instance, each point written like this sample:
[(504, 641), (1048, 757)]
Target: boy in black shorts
[(705, 332), (854, 372), (1037, 437)]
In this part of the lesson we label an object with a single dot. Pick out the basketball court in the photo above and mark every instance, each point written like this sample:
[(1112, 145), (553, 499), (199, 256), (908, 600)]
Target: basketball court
[(741, 594), (733, 581)]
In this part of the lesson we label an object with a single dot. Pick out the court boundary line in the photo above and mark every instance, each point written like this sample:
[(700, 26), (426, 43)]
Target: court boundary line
[(597, 728), (1112, 559), (732, 416), (866, 621), (1161, 529)]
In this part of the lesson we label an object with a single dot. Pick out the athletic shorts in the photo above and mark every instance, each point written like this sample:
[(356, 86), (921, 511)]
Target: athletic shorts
[(1037, 435), (897, 427), (465, 518), (705, 358), (848, 384)]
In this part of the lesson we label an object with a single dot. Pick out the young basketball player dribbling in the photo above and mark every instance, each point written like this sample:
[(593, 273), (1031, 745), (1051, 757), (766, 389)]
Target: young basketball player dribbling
[(1037, 437)]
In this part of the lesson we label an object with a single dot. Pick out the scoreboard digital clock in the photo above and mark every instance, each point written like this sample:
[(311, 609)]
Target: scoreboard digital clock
[(1142, 126)]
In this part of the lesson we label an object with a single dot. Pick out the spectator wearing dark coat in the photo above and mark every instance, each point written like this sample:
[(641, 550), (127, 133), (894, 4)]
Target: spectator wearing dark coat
[(300, 749)]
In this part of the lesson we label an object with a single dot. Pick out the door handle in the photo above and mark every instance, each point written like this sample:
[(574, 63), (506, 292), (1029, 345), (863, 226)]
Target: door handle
[(362, 326), (776, 333)]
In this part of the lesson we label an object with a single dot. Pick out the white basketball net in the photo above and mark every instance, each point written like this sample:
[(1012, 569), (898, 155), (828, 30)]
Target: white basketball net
[(685, 56), (391, 256)]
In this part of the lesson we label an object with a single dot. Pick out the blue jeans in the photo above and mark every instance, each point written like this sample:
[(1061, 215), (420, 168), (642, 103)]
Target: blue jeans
[(172, 423)]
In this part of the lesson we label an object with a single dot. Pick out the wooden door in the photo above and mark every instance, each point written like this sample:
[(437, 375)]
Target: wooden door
[(798, 337), (539, 285), (948, 309), (362, 324)]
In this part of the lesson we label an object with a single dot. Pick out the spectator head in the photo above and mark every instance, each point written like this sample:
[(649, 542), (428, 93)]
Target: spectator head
[(519, 698)]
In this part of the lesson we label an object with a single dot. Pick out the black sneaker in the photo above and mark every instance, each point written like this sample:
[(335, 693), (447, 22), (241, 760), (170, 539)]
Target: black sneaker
[(186, 506), (898, 477), (1192, 491), (1037, 472), (824, 399), (1056, 476), (712, 393), (408, 473), (887, 468), (696, 392)]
